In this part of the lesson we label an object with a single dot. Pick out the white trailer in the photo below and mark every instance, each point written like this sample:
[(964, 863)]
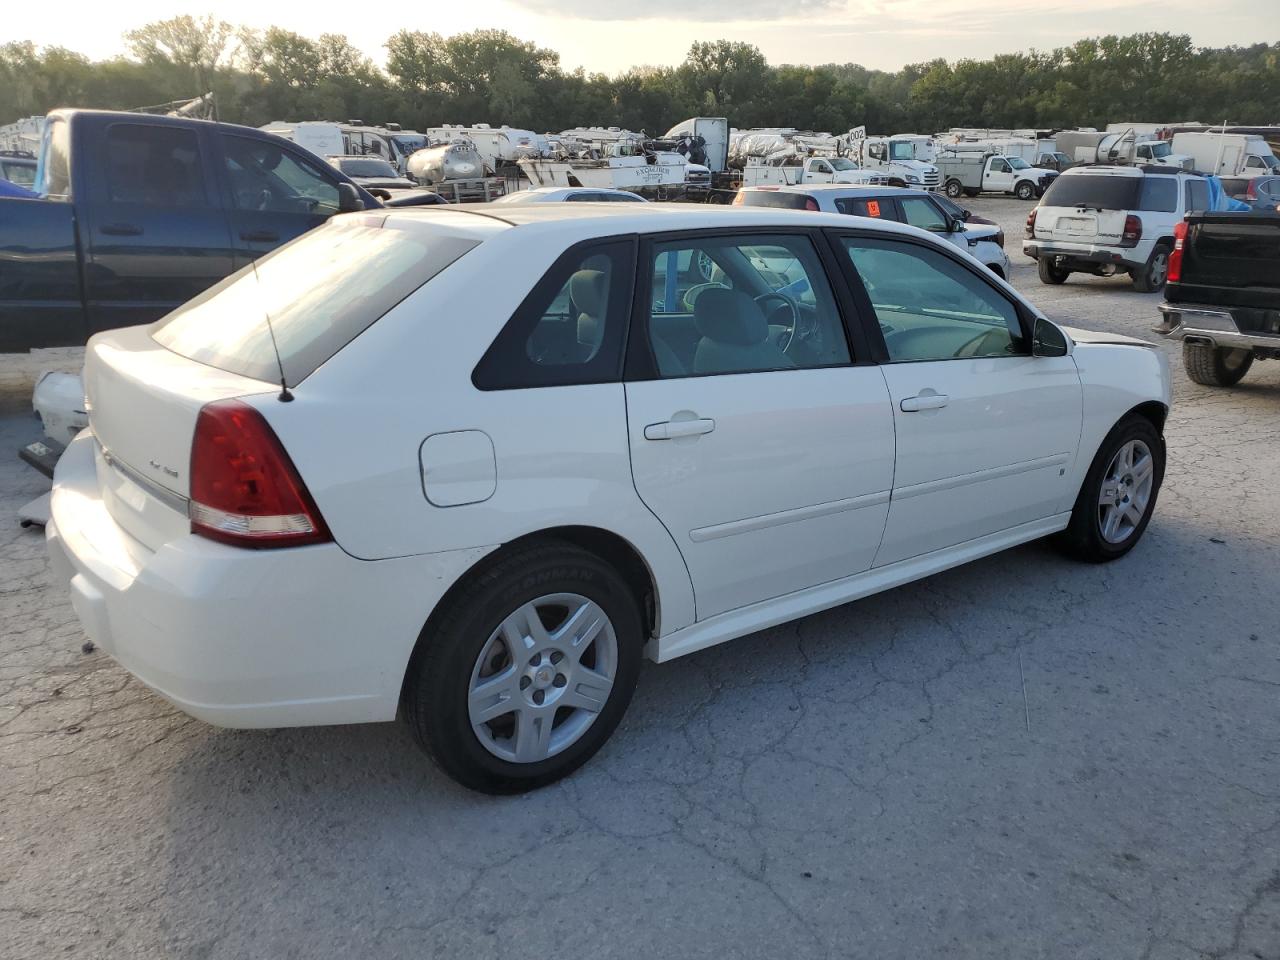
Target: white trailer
[(1245, 155), (322, 138)]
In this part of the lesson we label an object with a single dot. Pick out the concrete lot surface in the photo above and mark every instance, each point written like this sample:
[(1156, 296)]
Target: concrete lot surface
[(1022, 758)]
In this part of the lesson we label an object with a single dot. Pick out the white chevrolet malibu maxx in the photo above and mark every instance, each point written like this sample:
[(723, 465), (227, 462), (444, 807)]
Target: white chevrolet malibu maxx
[(516, 450)]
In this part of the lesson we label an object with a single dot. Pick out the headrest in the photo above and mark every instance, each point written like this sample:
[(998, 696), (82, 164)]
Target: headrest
[(588, 289), (729, 316)]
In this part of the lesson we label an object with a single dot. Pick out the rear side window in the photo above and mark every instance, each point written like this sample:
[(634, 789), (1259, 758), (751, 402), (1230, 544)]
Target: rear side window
[(154, 166), (865, 208), (774, 198), (1095, 191), (572, 326), (320, 292), (1158, 194), (53, 177)]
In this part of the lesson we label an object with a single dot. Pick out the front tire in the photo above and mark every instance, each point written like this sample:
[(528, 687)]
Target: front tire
[(1050, 272), (1119, 493), (1026, 190), (527, 671), (1215, 366), (954, 189)]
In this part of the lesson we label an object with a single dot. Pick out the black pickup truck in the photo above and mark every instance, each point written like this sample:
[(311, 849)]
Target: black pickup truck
[(140, 213), (1222, 299)]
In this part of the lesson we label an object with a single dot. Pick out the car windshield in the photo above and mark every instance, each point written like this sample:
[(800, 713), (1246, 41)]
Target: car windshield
[(366, 167), (1094, 191), (1018, 163), (1160, 150), (312, 297), (840, 163), (902, 150), (1271, 162)]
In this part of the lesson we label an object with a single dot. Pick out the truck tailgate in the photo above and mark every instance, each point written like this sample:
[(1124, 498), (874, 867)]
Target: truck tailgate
[(1231, 260)]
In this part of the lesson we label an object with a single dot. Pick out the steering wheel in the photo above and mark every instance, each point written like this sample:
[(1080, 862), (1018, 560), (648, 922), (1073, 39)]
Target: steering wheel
[(792, 306)]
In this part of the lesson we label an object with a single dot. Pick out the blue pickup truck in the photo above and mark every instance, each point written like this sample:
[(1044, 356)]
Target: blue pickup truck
[(137, 214)]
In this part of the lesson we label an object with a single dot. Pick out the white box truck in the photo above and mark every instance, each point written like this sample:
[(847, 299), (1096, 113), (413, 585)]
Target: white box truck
[(1245, 155)]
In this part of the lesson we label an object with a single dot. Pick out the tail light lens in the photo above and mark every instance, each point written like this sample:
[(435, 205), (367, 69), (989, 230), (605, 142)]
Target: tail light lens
[(1175, 258), (1031, 225), (1132, 231), (245, 490), (1251, 193)]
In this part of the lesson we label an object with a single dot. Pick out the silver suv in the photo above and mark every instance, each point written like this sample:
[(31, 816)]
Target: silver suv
[(1107, 219)]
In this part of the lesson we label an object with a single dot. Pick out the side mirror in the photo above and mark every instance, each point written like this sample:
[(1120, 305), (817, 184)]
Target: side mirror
[(1047, 340), (957, 224), (349, 198)]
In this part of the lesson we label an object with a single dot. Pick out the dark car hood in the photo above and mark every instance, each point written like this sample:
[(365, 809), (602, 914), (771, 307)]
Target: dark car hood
[(385, 183)]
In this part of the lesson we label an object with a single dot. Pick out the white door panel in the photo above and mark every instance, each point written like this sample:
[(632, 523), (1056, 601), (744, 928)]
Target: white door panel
[(992, 455), (784, 483)]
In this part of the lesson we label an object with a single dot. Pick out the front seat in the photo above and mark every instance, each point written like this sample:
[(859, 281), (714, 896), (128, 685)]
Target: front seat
[(589, 290), (734, 335)]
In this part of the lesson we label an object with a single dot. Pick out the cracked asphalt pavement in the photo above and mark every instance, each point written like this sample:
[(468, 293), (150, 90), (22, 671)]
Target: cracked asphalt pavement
[(1025, 757)]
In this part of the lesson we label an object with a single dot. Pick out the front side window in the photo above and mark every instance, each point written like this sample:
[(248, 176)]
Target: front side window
[(999, 166), (722, 305), (153, 166), (931, 308), (921, 213), (267, 177), (570, 329)]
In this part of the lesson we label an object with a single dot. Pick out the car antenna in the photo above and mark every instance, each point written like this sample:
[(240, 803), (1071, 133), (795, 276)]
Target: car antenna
[(285, 395)]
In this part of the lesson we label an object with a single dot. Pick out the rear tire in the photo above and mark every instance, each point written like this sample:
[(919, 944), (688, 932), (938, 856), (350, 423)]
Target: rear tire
[(954, 189), (1215, 366), (1117, 497), (495, 690), (1151, 277), (1026, 190), (1050, 272)]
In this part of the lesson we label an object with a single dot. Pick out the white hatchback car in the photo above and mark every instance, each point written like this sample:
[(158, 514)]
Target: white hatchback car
[(514, 452)]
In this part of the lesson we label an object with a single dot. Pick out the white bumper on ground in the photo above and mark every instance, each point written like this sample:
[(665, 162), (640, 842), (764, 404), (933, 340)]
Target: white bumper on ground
[(243, 638)]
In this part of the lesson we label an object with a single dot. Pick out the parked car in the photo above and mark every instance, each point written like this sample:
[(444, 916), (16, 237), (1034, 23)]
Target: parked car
[(571, 195), (1220, 301), (590, 463), (1263, 193), (18, 167), (372, 172), (919, 208), (1107, 219), (141, 213), (964, 213), (968, 174), (1054, 160)]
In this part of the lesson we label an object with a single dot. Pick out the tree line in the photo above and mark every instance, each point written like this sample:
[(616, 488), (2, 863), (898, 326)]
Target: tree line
[(491, 76)]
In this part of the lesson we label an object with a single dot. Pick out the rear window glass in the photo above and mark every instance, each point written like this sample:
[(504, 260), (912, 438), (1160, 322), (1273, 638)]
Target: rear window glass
[(771, 198), (320, 292), (1237, 240), (1097, 192)]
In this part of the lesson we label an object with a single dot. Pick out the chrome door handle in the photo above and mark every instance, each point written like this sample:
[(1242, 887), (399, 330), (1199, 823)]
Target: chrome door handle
[(674, 429), (925, 401)]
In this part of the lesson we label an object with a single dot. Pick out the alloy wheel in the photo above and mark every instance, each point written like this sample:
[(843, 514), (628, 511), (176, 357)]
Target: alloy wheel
[(542, 677), (1126, 490)]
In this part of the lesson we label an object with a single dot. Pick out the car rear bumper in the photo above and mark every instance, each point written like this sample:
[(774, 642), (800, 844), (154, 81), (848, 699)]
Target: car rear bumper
[(1211, 325), (1127, 258), (243, 638)]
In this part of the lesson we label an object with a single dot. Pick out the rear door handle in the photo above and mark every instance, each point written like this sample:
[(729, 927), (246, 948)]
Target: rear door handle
[(259, 236), (674, 429), (120, 230), (925, 401)]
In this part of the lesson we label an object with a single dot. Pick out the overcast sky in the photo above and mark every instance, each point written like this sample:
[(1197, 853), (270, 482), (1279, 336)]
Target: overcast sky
[(612, 35)]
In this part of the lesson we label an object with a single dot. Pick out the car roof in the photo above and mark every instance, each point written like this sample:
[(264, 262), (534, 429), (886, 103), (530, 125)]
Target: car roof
[(859, 188)]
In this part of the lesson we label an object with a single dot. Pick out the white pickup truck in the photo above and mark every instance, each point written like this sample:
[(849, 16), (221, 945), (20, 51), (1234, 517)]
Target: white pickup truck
[(813, 170), (973, 173)]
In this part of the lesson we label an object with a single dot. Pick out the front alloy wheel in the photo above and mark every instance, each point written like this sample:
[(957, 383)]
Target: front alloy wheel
[(1126, 491)]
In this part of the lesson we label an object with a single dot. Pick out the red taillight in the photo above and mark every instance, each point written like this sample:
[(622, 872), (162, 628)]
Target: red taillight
[(1031, 224), (1132, 231), (739, 199), (1175, 258), (810, 203), (1251, 193), (245, 490)]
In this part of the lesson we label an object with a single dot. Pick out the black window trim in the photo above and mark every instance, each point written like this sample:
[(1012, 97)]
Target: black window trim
[(866, 311), (547, 285), (640, 362)]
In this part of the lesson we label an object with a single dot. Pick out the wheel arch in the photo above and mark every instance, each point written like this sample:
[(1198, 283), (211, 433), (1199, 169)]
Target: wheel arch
[(1152, 410), (616, 550)]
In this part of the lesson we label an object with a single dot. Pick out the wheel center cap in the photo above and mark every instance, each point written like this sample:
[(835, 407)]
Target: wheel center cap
[(543, 677)]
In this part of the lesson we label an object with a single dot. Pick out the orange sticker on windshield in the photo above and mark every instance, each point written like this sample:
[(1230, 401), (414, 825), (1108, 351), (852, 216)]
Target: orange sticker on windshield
[(873, 208)]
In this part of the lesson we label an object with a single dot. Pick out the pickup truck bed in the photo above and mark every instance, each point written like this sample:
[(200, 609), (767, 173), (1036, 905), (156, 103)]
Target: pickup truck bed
[(1223, 300)]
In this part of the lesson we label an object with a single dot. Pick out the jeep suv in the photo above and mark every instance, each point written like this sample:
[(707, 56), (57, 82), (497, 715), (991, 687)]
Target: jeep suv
[(1107, 219)]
